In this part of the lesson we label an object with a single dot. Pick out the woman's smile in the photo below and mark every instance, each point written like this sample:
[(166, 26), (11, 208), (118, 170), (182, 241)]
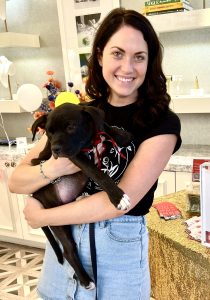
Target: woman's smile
[(124, 79)]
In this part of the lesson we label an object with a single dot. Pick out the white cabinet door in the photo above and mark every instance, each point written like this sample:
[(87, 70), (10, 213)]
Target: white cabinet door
[(36, 236), (166, 184), (183, 180), (10, 224), (13, 227)]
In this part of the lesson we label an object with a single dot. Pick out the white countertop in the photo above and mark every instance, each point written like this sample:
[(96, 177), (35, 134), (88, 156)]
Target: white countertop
[(181, 161)]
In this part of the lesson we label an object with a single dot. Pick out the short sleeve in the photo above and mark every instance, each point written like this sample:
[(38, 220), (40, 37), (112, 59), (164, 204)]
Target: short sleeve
[(169, 124)]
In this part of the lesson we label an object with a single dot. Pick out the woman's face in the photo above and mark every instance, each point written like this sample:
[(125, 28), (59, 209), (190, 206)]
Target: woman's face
[(124, 65)]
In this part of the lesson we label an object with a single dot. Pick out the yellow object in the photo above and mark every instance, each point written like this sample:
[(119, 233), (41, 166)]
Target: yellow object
[(196, 83), (66, 97)]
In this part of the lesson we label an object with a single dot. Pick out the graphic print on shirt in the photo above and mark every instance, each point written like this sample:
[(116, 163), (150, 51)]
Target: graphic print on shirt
[(111, 159)]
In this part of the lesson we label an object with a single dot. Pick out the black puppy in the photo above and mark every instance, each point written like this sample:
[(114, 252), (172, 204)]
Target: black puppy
[(70, 129)]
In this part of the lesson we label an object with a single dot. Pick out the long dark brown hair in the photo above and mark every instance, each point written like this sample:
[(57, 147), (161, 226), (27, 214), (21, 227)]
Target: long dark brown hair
[(153, 99)]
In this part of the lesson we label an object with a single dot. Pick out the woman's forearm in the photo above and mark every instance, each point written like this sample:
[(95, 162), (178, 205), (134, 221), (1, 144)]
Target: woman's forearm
[(87, 210), (26, 179)]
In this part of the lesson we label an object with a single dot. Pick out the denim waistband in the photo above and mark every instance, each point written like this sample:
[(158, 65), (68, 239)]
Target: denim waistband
[(122, 219)]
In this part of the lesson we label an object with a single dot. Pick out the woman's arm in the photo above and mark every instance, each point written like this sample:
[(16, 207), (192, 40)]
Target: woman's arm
[(27, 179), (141, 174)]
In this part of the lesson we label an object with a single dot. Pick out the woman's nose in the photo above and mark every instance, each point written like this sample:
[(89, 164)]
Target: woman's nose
[(127, 65)]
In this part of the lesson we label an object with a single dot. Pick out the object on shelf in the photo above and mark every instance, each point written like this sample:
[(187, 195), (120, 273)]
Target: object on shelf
[(196, 91), (168, 11), (166, 6), (7, 69), (176, 85), (168, 83)]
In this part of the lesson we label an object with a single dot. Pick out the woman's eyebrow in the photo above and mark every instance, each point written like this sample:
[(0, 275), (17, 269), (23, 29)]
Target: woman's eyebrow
[(122, 50)]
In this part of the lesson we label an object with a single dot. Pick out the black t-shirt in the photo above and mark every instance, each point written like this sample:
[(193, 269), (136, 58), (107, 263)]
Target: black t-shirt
[(114, 160)]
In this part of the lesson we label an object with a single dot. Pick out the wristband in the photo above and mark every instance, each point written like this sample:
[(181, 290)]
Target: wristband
[(46, 177)]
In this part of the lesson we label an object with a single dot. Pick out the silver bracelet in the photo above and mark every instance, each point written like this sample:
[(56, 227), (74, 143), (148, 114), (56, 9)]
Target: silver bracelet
[(46, 177)]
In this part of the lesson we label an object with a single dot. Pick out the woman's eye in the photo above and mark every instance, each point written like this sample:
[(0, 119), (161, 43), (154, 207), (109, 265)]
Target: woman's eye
[(117, 54), (139, 58)]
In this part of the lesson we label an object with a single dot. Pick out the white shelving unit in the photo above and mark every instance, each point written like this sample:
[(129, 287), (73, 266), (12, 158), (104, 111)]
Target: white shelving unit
[(181, 21), (187, 104), (10, 106), (189, 20), (13, 39)]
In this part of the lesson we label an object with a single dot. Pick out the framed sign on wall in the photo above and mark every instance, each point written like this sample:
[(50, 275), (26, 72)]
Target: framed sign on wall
[(78, 22)]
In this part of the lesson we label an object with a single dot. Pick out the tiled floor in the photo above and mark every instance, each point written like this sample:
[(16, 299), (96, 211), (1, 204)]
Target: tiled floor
[(19, 271)]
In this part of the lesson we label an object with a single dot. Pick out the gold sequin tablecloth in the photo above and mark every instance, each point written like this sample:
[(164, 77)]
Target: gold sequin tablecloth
[(180, 267)]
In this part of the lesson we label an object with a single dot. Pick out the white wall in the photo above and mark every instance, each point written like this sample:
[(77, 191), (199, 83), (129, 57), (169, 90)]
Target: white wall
[(186, 53), (35, 17)]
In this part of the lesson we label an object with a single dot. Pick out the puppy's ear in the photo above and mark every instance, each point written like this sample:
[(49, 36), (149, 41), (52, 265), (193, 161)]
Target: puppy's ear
[(97, 115), (121, 137), (40, 122)]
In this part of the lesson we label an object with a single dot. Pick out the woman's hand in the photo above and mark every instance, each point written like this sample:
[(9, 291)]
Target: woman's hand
[(61, 166), (34, 213)]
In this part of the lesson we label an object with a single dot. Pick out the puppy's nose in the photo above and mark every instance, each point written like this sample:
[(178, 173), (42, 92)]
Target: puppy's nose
[(56, 149)]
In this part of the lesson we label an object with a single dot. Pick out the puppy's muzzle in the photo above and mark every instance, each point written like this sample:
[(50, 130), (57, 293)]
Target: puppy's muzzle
[(56, 150)]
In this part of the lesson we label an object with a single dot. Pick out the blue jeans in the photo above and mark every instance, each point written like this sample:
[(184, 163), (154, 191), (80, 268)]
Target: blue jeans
[(122, 263)]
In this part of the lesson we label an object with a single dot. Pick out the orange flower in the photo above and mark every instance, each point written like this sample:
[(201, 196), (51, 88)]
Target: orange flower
[(52, 104), (50, 72), (57, 84), (38, 114)]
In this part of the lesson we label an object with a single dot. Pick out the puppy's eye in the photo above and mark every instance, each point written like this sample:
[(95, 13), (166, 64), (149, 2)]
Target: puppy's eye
[(71, 127)]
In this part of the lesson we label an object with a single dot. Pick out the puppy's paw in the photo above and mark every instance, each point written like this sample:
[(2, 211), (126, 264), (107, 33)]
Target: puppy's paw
[(124, 203), (91, 286)]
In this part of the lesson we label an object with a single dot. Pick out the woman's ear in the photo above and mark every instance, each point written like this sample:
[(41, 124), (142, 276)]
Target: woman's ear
[(99, 57)]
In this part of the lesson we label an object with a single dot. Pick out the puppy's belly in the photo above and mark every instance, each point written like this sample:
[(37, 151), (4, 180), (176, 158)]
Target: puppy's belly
[(70, 187)]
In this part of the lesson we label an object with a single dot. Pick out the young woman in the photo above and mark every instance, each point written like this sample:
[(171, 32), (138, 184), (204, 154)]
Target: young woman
[(127, 82)]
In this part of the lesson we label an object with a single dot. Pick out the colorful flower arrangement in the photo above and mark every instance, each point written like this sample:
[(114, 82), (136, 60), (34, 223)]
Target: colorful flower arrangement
[(54, 89)]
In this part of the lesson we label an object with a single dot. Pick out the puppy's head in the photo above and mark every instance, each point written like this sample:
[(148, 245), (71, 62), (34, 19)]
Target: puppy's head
[(71, 128)]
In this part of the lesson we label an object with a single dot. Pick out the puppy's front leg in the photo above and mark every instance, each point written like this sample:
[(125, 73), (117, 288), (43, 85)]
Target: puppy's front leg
[(116, 195)]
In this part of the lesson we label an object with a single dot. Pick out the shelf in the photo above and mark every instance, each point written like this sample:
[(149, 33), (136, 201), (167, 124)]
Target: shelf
[(194, 19), (12, 39), (10, 106), (188, 104)]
